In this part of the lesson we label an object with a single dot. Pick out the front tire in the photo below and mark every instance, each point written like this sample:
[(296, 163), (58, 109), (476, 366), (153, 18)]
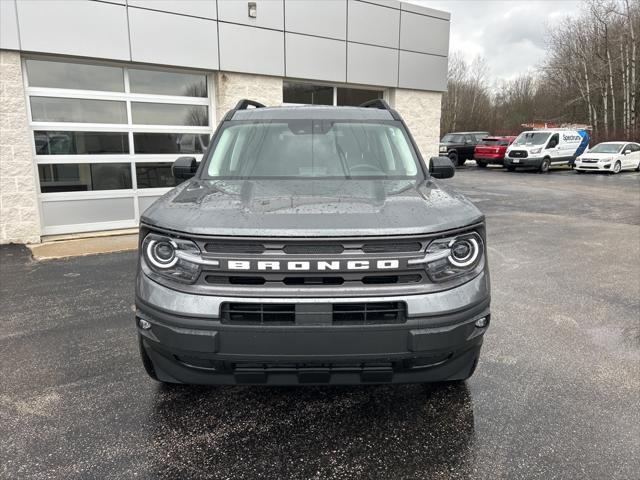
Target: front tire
[(617, 167), (544, 166), (455, 159), (510, 168)]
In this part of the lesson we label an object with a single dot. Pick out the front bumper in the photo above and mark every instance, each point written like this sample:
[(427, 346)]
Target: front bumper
[(187, 343), (529, 162), (593, 167), (489, 158)]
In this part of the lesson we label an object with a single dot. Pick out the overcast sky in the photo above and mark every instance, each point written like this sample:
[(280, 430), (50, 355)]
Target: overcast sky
[(509, 34)]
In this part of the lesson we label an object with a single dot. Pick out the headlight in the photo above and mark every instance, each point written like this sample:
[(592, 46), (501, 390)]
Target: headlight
[(443, 149), (452, 257), (173, 258), (536, 150)]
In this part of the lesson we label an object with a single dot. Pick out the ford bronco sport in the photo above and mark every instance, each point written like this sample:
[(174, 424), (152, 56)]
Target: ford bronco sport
[(311, 246)]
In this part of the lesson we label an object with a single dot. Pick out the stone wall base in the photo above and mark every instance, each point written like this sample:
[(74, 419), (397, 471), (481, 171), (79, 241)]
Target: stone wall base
[(231, 87), (19, 211), (421, 112)]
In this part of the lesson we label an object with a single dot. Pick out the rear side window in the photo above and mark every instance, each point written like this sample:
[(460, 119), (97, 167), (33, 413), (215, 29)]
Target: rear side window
[(453, 138), (312, 148), (553, 141)]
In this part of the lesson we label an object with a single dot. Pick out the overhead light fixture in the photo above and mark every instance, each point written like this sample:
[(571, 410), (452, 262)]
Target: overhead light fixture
[(253, 9)]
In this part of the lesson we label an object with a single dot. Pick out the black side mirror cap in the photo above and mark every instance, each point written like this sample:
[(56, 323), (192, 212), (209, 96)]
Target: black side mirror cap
[(184, 168), (441, 167)]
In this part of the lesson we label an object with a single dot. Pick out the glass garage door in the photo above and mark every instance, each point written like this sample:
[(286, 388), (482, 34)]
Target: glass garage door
[(105, 136)]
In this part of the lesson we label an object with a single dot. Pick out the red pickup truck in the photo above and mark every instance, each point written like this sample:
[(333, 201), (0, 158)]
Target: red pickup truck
[(491, 150)]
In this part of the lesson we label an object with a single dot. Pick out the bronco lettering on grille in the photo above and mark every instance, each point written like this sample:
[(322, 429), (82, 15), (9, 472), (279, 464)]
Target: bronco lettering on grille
[(316, 265)]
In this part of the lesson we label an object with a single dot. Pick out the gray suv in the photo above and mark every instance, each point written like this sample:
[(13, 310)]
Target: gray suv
[(311, 246)]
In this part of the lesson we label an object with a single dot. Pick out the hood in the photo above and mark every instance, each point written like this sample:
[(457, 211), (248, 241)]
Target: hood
[(599, 156), (311, 208), (524, 147)]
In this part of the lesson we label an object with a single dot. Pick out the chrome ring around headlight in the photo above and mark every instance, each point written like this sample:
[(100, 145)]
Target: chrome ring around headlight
[(153, 257), (471, 257)]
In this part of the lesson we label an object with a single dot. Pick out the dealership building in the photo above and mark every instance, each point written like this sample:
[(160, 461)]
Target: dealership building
[(99, 97)]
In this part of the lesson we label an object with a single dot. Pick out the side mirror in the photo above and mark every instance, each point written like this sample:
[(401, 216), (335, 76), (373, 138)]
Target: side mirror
[(627, 152), (441, 167), (184, 168)]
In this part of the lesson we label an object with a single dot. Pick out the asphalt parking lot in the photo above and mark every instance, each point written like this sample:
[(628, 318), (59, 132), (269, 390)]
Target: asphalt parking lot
[(556, 394)]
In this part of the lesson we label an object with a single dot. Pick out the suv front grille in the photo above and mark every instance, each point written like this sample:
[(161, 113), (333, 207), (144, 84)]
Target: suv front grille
[(234, 247), (392, 247), (311, 247), (258, 314), (277, 278), (369, 313), (365, 313), (518, 154), (353, 279)]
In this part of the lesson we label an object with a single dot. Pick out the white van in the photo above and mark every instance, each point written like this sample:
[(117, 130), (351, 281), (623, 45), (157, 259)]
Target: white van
[(541, 149)]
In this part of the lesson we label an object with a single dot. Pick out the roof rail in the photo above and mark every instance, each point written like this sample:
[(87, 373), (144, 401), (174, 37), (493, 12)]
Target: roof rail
[(376, 103), (382, 105), (242, 105)]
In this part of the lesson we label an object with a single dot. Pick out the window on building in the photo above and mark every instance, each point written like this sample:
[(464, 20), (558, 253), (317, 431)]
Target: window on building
[(155, 175), (311, 94), (80, 143), (168, 83), (105, 135), (83, 177), (145, 113), (307, 94), (76, 110), (352, 97), (163, 143), (54, 74)]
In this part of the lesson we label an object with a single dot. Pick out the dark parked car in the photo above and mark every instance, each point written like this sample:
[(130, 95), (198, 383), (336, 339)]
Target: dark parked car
[(460, 146), (312, 246), (492, 150)]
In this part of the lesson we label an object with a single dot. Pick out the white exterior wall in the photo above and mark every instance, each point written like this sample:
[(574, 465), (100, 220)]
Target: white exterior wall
[(19, 211)]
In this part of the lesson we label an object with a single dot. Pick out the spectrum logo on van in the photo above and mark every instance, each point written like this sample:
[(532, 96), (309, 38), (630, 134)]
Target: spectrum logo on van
[(571, 138)]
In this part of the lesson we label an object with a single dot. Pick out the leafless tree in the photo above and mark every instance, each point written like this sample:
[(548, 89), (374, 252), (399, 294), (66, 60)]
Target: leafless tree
[(589, 76)]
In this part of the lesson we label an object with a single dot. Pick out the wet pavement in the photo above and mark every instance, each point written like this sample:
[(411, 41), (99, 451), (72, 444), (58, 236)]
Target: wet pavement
[(556, 394)]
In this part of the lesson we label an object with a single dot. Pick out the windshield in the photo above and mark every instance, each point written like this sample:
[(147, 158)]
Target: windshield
[(495, 142), (607, 148), (312, 149), (452, 138), (532, 138)]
